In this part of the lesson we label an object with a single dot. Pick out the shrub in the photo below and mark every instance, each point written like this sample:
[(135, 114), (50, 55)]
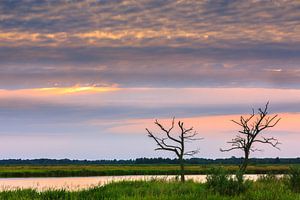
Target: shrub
[(294, 179), (220, 181)]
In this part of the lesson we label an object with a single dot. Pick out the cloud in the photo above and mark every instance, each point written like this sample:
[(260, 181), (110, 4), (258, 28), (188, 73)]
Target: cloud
[(150, 67), (117, 118), (55, 107), (148, 22), (187, 58), (149, 43)]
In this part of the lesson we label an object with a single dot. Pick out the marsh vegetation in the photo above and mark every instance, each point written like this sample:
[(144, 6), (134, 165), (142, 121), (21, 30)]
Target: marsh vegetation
[(219, 187), (115, 170)]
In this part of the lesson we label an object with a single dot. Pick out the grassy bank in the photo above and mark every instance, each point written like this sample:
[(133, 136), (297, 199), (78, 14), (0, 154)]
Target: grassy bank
[(260, 190), (114, 170)]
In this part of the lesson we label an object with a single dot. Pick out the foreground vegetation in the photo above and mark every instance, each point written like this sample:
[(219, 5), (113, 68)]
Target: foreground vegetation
[(114, 170), (267, 188), (220, 185)]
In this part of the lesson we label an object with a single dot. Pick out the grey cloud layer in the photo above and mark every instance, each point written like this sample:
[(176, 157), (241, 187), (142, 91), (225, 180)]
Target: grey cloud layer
[(71, 113), (261, 66), (150, 43), (33, 117)]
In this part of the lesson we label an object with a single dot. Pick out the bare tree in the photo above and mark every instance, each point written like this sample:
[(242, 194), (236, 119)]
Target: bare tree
[(251, 133), (175, 144)]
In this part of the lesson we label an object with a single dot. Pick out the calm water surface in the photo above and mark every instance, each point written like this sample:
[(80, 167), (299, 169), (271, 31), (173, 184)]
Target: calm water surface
[(78, 183)]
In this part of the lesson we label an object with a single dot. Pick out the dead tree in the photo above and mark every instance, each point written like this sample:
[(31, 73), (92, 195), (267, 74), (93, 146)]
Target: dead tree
[(175, 144), (251, 133)]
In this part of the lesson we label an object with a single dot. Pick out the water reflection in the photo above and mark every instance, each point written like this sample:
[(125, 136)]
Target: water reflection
[(78, 183)]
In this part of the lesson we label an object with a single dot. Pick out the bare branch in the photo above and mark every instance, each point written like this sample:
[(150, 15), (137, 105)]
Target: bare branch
[(167, 141), (192, 153), (160, 143), (168, 131), (252, 128), (193, 136), (271, 141), (230, 149)]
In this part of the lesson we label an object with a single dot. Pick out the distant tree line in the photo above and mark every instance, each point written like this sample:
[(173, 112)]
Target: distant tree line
[(141, 161)]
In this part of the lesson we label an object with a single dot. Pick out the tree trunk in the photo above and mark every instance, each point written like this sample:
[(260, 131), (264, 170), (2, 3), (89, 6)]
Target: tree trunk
[(245, 162), (182, 178)]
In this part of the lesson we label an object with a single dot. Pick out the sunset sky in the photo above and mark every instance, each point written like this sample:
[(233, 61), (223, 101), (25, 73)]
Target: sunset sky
[(82, 79)]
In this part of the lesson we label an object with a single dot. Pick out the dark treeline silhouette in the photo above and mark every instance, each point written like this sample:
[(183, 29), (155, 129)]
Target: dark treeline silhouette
[(141, 161)]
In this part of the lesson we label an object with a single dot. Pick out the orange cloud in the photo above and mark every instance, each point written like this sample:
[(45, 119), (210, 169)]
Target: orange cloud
[(76, 89), (56, 91), (207, 126)]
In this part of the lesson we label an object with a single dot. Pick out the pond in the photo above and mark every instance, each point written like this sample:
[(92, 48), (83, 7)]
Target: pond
[(78, 183)]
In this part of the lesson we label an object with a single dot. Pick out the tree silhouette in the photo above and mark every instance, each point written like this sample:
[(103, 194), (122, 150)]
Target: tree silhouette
[(251, 133), (169, 142)]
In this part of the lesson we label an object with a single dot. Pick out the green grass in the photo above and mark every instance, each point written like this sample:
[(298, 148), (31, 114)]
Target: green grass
[(267, 189), (114, 170)]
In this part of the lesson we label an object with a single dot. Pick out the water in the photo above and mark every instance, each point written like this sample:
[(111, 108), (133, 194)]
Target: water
[(79, 183)]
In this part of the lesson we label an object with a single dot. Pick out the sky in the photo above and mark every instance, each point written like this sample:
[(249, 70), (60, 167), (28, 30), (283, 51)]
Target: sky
[(82, 79)]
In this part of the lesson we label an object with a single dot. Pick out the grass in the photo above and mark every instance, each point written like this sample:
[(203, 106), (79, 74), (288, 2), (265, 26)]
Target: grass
[(114, 170), (265, 189), (294, 179)]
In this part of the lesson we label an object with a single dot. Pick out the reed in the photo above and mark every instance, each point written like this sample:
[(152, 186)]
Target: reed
[(266, 189), (115, 170)]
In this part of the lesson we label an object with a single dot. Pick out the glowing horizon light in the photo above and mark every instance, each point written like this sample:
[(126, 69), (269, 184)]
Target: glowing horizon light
[(76, 89)]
